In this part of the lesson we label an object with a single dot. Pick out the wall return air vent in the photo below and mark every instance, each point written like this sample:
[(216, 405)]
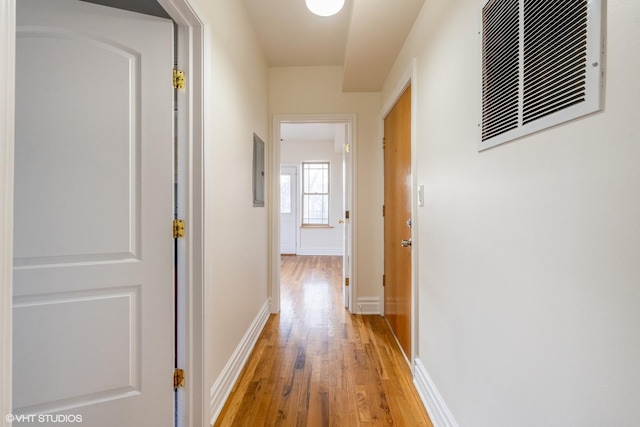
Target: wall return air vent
[(541, 65)]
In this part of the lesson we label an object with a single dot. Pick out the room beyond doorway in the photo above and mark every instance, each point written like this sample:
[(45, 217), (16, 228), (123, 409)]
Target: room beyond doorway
[(311, 213), (312, 188)]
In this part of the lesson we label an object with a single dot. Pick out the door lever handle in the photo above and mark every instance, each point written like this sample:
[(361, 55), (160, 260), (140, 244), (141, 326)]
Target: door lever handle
[(406, 243)]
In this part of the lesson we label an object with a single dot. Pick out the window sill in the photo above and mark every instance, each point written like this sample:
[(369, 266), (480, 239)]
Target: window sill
[(316, 226)]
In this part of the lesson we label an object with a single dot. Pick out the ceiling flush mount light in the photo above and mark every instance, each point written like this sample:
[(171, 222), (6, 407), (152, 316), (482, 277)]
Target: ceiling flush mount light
[(325, 7)]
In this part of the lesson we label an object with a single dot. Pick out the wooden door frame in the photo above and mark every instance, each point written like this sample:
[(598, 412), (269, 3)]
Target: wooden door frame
[(274, 213), (193, 60), (409, 77)]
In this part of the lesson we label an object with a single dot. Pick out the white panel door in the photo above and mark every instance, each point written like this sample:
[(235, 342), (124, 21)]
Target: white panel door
[(288, 210), (93, 266)]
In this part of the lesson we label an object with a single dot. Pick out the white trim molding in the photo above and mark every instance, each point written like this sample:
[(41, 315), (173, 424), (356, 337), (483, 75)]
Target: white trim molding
[(224, 384), (431, 398), (7, 111), (368, 305), (192, 59)]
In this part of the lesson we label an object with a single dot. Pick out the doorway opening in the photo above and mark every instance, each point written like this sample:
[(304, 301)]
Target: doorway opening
[(313, 160)]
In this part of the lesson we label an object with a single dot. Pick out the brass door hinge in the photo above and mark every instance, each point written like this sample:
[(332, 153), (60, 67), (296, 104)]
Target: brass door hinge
[(178, 228), (384, 143), (347, 214), (384, 280), (383, 210), (178, 378), (346, 281), (178, 79)]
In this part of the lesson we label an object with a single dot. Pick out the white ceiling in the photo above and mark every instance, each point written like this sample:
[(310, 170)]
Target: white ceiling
[(364, 38)]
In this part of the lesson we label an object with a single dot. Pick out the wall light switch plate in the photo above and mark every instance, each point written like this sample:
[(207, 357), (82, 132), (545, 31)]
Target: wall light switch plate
[(420, 195)]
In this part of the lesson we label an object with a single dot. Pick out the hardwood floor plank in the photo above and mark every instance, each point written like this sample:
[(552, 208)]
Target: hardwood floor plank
[(315, 364)]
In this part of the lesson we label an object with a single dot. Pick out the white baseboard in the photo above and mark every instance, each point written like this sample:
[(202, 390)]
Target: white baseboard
[(227, 379), (431, 398), (368, 305), (320, 251)]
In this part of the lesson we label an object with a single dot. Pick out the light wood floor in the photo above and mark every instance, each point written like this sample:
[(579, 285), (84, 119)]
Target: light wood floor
[(317, 365)]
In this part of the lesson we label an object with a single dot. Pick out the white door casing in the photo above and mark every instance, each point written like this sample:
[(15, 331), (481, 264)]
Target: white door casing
[(289, 217), (93, 258), (347, 208), (350, 121), (7, 84), (193, 59)]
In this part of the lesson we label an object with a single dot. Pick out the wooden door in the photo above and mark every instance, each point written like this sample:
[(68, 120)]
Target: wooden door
[(93, 267), (397, 216)]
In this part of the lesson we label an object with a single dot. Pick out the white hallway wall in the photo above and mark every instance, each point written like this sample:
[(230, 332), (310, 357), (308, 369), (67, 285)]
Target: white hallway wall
[(529, 253), (236, 103), (319, 241), (318, 90)]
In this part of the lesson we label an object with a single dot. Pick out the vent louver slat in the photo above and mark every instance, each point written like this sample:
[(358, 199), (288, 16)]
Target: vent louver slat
[(500, 67), (555, 43), (540, 65)]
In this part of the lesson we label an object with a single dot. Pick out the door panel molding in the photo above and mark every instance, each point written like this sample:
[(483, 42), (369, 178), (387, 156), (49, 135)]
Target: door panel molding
[(116, 371)]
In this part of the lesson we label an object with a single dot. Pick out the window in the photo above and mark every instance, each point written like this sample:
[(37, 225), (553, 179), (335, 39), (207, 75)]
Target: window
[(541, 65), (315, 194)]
